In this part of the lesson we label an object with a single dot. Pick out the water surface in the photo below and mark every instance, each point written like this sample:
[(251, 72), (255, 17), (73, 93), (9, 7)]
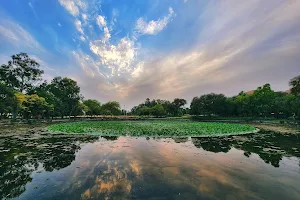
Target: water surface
[(43, 166)]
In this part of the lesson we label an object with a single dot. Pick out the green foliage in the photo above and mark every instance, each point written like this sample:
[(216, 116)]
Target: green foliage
[(154, 128), (263, 99), (32, 105), (94, 107), (43, 90), (158, 110), (68, 93), (264, 102), (178, 103), (165, 107), (80, 109), (244, 105), (111, 108), (295, 85), (209, 104), (144, 110), (7, 100), (21, 73)]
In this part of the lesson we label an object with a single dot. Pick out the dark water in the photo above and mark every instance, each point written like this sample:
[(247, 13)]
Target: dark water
[(259, 166)]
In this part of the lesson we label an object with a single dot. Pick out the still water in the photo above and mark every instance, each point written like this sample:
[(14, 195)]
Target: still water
[(44, 166)]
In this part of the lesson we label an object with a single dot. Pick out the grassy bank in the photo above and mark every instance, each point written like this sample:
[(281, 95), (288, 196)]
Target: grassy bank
[(153, 128)]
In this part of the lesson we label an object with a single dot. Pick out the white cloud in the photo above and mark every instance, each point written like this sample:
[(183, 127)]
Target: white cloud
[(78, 26), (73, 6), (70, 6), (106, 34), (82, 38), (153, 27), (59, 24), (118, 58), (101, 21), (103, 25), (82, 5), (84, 17)]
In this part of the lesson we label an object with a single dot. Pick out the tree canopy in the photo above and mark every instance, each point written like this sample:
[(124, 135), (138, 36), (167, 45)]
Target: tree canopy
[(21, 73), (94, 107), (295, 85)]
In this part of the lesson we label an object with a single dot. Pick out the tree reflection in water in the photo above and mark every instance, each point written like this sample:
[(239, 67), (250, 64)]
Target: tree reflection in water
[(21, 155), (270, 147), (119, 174)]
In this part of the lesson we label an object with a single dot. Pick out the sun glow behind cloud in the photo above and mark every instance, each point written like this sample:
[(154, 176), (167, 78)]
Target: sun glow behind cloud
[(166, 49)]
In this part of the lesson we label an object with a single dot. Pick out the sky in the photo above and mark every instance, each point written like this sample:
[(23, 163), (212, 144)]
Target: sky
[(136, 49)]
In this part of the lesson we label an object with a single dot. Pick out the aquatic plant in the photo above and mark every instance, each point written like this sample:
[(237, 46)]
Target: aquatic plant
[(153, 128)]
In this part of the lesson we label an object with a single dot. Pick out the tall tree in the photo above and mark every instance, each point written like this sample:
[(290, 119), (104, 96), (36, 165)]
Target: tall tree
[(21, 73), (295, 85), (177, 104), (264, 100), (68, 93), (43, 90), (243, 104)]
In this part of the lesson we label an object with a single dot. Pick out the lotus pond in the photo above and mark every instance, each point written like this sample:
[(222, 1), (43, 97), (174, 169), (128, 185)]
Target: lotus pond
[(36, 164), (153, 128)]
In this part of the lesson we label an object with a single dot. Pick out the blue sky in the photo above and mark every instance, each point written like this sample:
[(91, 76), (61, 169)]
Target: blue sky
[(130, 50)]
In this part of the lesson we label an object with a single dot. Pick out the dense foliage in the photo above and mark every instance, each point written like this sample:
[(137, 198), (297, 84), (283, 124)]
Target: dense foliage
[(152, 128), (262, 102), (160, 108)]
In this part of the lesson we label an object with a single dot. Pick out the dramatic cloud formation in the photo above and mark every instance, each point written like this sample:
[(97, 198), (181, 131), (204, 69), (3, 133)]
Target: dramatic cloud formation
[(160, 49)]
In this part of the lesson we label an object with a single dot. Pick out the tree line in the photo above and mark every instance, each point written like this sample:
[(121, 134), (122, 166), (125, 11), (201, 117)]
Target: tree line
[(23, 93), (160, 108), (262, 102)]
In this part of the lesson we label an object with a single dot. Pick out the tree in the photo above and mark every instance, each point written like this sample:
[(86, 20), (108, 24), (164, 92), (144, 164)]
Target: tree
[(81, 109), (147, 102), (7, 100), (68, 93), (263, 99), (43, 90), (143, 110), (243, 104), (21, 73), (111, 108), (209, 104), (295, 84), (32, 105), (158, 110), (94, 107), (177, 104)]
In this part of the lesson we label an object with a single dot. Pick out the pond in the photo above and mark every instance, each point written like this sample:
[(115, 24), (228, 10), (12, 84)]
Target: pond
[(60, 166)]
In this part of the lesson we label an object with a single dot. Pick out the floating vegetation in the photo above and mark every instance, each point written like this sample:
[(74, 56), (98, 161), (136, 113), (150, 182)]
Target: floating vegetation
[(153, 128)]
